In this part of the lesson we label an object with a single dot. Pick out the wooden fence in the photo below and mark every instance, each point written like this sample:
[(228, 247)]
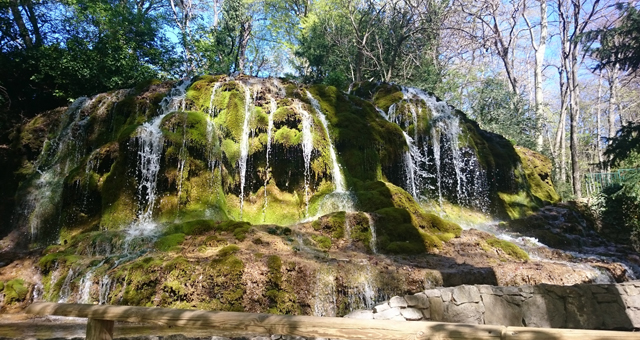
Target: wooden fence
[(102, 317)]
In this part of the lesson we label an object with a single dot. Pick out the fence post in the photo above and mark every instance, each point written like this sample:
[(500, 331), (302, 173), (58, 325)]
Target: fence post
[(99, 329)]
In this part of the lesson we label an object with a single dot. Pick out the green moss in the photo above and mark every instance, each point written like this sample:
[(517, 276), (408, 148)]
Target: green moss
[(386, 95), (322, 242), (332, 224), (509, 248), (169, 242), (537, 169), (15, 290), (287, 137), (228, 250), (279, 294)]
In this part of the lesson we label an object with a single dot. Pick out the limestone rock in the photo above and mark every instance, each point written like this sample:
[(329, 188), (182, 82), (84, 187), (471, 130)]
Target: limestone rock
[(465, 294), (446, 294), (501, 312), (465, 313), (360, 314), (544, 310), (419, 300), (436, 308), (381, 308), (432, 293), (397, 301), (411, 314), (583, 312), (387, 314), (615, 316)]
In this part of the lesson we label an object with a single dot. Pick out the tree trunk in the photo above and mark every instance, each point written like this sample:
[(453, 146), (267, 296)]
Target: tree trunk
[(19, 21), (243, 41), (539, 99), (599, 123), (575, 114)]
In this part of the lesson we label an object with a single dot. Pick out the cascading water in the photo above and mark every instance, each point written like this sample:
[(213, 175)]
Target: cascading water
[(324, 293), (465, 188), (362, 291), (150, 145), (340, 199), (58, 157), (244, 145), (307, 148), (273, 106), (336, 172), (373, 243)]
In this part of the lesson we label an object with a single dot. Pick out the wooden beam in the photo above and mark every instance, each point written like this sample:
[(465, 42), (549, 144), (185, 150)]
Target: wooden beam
[(99, 329), (322, 327)]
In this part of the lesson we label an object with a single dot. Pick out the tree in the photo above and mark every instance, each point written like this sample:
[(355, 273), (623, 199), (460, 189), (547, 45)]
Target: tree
[(620, 44), (498, 109)]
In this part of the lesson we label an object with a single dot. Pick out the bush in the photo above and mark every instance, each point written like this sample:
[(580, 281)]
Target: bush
[(620, 216)]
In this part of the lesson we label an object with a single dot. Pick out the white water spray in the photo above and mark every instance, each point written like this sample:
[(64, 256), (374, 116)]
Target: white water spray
[(244, 145), (336, 172), (150, 145)]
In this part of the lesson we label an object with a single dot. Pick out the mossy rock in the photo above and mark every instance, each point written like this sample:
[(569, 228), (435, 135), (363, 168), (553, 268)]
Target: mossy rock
[(509, 248), (15, 291), (169, 242), (332, 224)]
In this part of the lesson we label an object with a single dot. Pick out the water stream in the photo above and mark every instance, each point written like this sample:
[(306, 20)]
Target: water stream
[(307, 148), (150, 145), (244, 145)]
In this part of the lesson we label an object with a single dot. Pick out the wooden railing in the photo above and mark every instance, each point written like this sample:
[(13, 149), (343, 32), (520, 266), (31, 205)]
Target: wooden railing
[(102, 317)]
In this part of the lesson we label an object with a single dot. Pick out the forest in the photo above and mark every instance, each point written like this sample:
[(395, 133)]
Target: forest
[(556, 76)]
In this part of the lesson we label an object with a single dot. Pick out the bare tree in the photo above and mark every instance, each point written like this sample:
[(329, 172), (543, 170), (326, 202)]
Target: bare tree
[(539, 47)]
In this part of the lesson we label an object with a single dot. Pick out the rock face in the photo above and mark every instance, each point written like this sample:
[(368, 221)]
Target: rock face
[(603, 306), (188, 193)]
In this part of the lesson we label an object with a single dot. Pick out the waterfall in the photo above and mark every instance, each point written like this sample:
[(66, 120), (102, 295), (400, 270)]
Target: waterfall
[(65, 289), (150, 145), (307, 148), (373, 243), (182, 158), (469, 188), (104, 289), (57, 158), (410, 167), (336, 173), (362, 288), (244, 145), (273, 106), (324, 293), (85, 291)]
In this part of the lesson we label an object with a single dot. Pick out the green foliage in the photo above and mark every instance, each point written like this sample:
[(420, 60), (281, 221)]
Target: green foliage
[(620, 216), (499, 110), (618, 44), (625, 146)]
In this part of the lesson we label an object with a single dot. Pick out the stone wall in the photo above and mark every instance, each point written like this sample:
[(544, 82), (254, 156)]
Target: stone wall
[(586, 306)]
